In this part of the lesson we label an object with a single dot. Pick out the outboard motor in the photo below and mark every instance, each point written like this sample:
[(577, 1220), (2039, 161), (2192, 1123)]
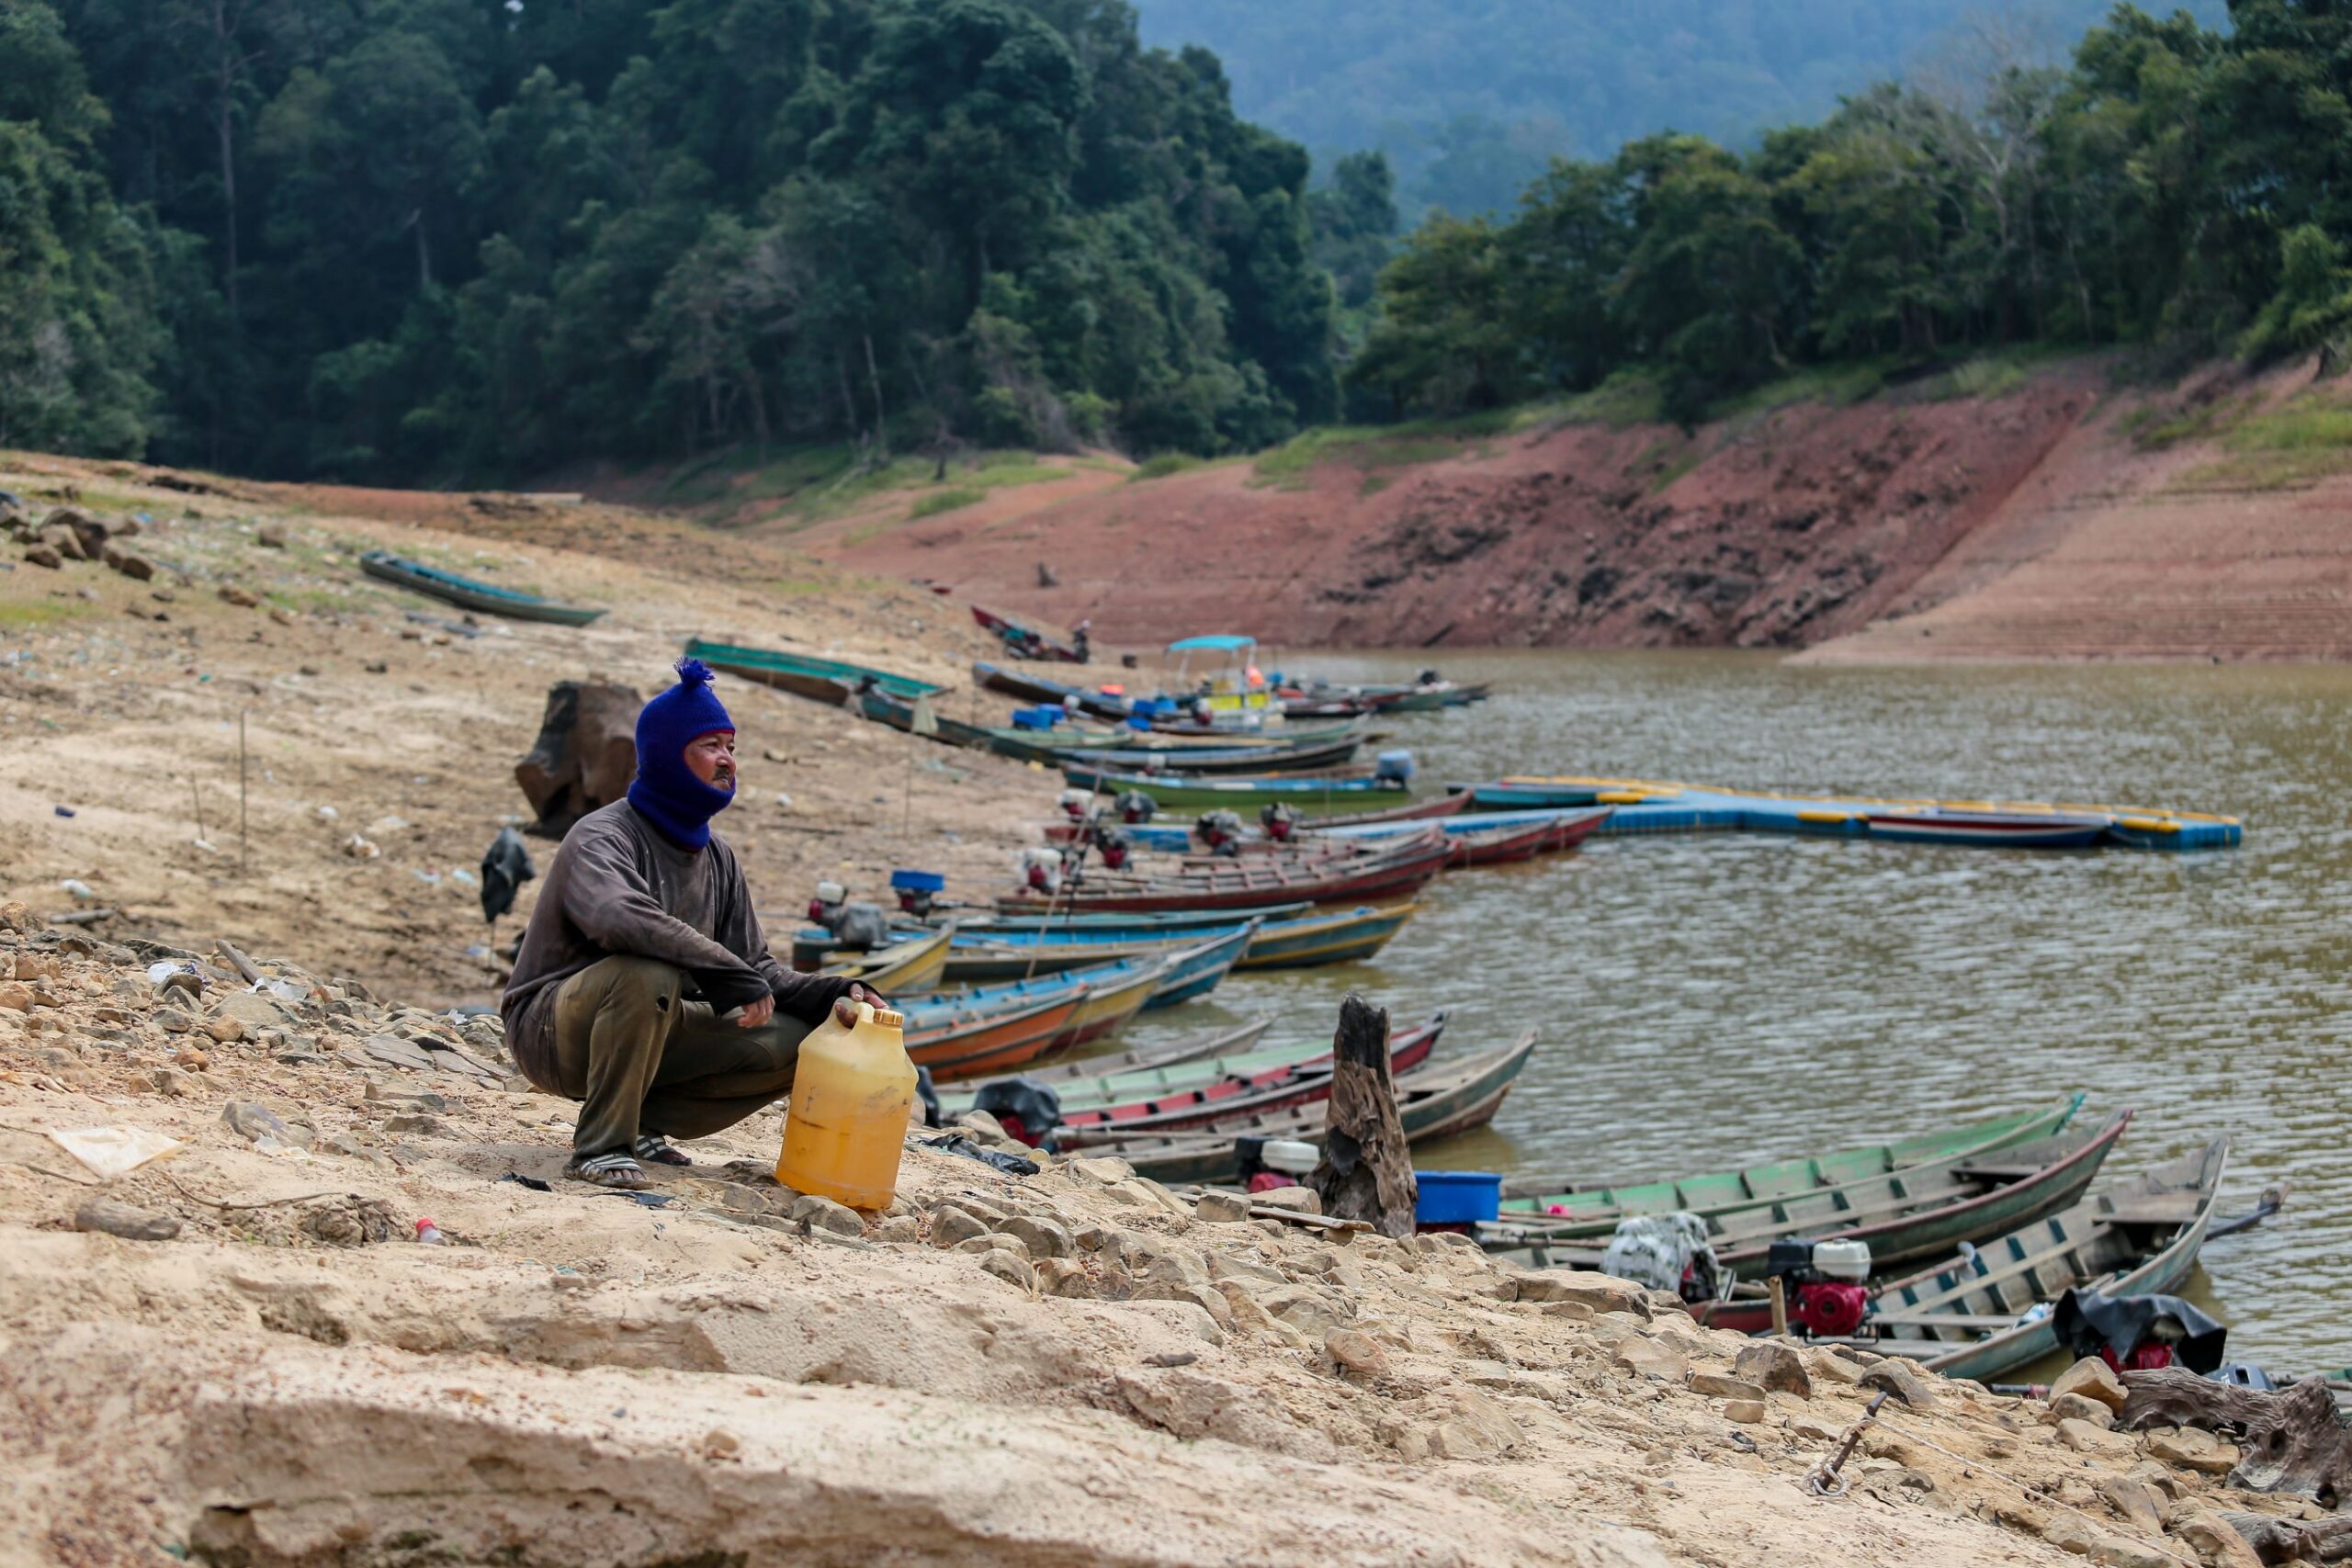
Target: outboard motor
[(1041, 869), (1278, 819), (1394, 768), (1136, 807), (916, 890), (1428, 678), (1221, 831), (1823, 1282), (826, 906), (1116, 844), (1074, 802)]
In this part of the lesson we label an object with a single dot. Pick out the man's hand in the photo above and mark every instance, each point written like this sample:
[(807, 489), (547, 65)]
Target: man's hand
[(845, 1009), (757, 1013)]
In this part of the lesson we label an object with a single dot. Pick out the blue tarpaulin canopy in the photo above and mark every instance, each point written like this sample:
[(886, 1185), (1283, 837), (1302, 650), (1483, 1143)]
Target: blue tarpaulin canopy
[(1224, 643)]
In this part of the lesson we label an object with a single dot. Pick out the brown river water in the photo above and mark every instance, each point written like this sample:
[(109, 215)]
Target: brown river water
[(1710, 1000)]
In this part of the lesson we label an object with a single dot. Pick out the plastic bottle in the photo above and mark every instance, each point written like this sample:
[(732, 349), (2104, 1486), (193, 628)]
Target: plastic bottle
[(852, 1095), (430, 1234)]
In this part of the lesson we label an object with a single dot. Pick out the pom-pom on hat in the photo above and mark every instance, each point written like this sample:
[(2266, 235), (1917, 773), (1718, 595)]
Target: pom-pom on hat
[(665, 790)]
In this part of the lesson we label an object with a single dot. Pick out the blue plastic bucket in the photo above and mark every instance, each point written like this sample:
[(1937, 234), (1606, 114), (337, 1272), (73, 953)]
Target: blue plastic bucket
[(1457, 1197)]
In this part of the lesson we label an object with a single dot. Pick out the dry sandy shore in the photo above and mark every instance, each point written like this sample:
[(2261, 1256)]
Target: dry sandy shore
[(1071, 1368)]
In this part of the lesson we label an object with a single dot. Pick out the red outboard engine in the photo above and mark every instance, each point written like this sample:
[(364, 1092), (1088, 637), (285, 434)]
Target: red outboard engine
[(1134, 806), (1041, 869), (1115, 844), (1074, 804), (826, 906), (1278, 819), (1823, 1282), (1221, 831)]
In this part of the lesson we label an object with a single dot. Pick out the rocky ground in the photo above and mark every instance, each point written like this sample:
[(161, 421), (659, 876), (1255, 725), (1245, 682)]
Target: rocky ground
[(242, 1351)]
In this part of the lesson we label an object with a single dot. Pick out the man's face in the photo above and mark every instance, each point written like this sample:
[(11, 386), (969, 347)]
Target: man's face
[(712, 759)]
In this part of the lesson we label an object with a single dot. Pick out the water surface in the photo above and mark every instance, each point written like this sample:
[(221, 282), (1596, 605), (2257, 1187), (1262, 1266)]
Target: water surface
[(1709, 1000)]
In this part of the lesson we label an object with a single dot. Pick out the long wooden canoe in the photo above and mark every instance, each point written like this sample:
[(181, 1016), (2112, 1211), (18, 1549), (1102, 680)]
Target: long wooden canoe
[(827, 681), (1401, 871), (1327, 793), (1170, 1054), (472, 594), (1274, 1089), (1437, 1103), (1195, 971), (1922, 1211), (1968, 1319), (1037, 689), (1569, 1210), (909, 967), (1187, 763), (995, 1041), (1341, 936), (1080, 1090), (1027, 641)]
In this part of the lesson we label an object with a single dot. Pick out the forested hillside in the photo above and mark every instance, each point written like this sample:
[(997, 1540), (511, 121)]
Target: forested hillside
[(1470, 98), (411, 240), (2175, 186)]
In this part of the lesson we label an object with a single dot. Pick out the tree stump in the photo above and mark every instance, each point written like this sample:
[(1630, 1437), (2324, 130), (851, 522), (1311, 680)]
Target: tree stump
[(1366, 1172), (586, 755), (2288, 1440)]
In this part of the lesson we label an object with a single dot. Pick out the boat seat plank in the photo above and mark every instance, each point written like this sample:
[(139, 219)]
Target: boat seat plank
[(1984, 1323), (2156, 1209), (1978, 1171)]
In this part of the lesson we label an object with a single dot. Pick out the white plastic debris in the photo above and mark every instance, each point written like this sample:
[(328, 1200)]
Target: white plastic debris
[(360, 849), (328, 814), (110, 1152), (79, 889)]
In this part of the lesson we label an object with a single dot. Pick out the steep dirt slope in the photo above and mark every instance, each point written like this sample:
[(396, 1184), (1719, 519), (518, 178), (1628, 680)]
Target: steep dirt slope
[(1775, 531)]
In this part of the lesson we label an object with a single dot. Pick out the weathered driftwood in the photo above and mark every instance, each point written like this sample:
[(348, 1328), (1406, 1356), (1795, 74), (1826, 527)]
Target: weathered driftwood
[(1366, 1171), (585, 754), (2288, 1440), (2294, 1540)]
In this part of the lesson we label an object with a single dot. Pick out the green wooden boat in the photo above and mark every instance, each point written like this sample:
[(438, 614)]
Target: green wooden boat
[(472, 594), (1346, 936), (1302, 792), (1909, 1215), (821, 680), (1969, 1319), (1562, 1212)]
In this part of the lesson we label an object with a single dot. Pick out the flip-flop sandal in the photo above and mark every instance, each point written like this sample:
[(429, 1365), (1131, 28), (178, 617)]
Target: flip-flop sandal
[(655, 1149), (616, 1170)]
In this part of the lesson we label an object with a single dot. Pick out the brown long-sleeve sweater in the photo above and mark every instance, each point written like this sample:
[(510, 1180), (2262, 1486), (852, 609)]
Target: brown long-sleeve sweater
[(617, 886)]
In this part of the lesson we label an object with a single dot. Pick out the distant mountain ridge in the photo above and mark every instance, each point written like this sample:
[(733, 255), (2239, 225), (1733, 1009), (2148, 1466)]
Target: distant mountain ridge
[(1470, 98)]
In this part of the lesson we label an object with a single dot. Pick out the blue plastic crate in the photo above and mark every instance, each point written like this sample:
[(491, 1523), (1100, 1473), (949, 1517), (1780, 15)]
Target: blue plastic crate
[(1457, 1197), (918, 881)]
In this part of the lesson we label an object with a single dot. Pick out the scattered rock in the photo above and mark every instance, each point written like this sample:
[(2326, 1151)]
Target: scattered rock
[(192, 1059), (1044, 1238), (16, 997), (44, 554), (1647, 1358), (2135, 1501), (1103, 1168), (1718, 1385), (2086, 1439), (350, 1220), (224, 1027), (1221, 1208), (255, 1121), (2191, 1449), (951, 1226), (1298, 1199), (244, 598), (1900, 1379), (1358, 1352), (825, 1214), (270, 536), (899, 1228), (1063, 1276), (139, 568), (2091, 1379), (2213, 1540), (719, 1442), (174, 1083), (1776, 1368), (1307, 1311), (250, 1009), (2075, 1407), (1747, 1412), (1601, 1293), (171, 1020), (122, 1220), (1009, 1269)]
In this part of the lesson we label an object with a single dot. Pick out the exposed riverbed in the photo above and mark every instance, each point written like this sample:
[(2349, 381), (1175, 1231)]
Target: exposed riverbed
[(1708, 1000)]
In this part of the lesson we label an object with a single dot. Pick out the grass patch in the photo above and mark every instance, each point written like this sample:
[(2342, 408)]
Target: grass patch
[(1160, 467), (2153, 429), (1374, 484), (1628, 398), (2306, 438), (1375, 446), (1838, 386), (948, 500), (25, 617)]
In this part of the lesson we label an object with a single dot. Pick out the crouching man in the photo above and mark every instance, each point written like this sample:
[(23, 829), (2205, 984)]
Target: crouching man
[(644, 988)]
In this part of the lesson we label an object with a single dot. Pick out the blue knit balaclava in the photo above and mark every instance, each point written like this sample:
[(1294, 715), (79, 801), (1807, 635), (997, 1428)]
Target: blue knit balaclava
[(665, 790)]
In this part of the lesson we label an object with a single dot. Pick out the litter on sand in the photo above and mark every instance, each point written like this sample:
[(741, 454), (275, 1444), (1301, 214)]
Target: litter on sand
[(110, 1152)]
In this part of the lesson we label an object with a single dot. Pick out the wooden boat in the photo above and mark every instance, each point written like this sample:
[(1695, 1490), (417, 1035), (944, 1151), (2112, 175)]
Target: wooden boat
[(1989, 829), (1329, 792), (1286, 1087), (1027, 642), (1593, 1210), (1437, 1103), (1921, 1212), (470, 593), (1485, 838), (991, 927), (1111, 999), (1970, 1318), (1344, 936), (1037, 689), (1076, 1085), (1181, 762), (1528, 795), (827, 681), (1196, 971), (907, 968), (1463, 696), (1402, 870), (1170, 1054), (992, 1040)]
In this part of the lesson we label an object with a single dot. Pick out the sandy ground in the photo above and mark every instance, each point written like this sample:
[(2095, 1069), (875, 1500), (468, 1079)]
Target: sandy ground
[(262, 1363)]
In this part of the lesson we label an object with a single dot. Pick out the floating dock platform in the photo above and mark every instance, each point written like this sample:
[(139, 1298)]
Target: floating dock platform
[(1644, 805)]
